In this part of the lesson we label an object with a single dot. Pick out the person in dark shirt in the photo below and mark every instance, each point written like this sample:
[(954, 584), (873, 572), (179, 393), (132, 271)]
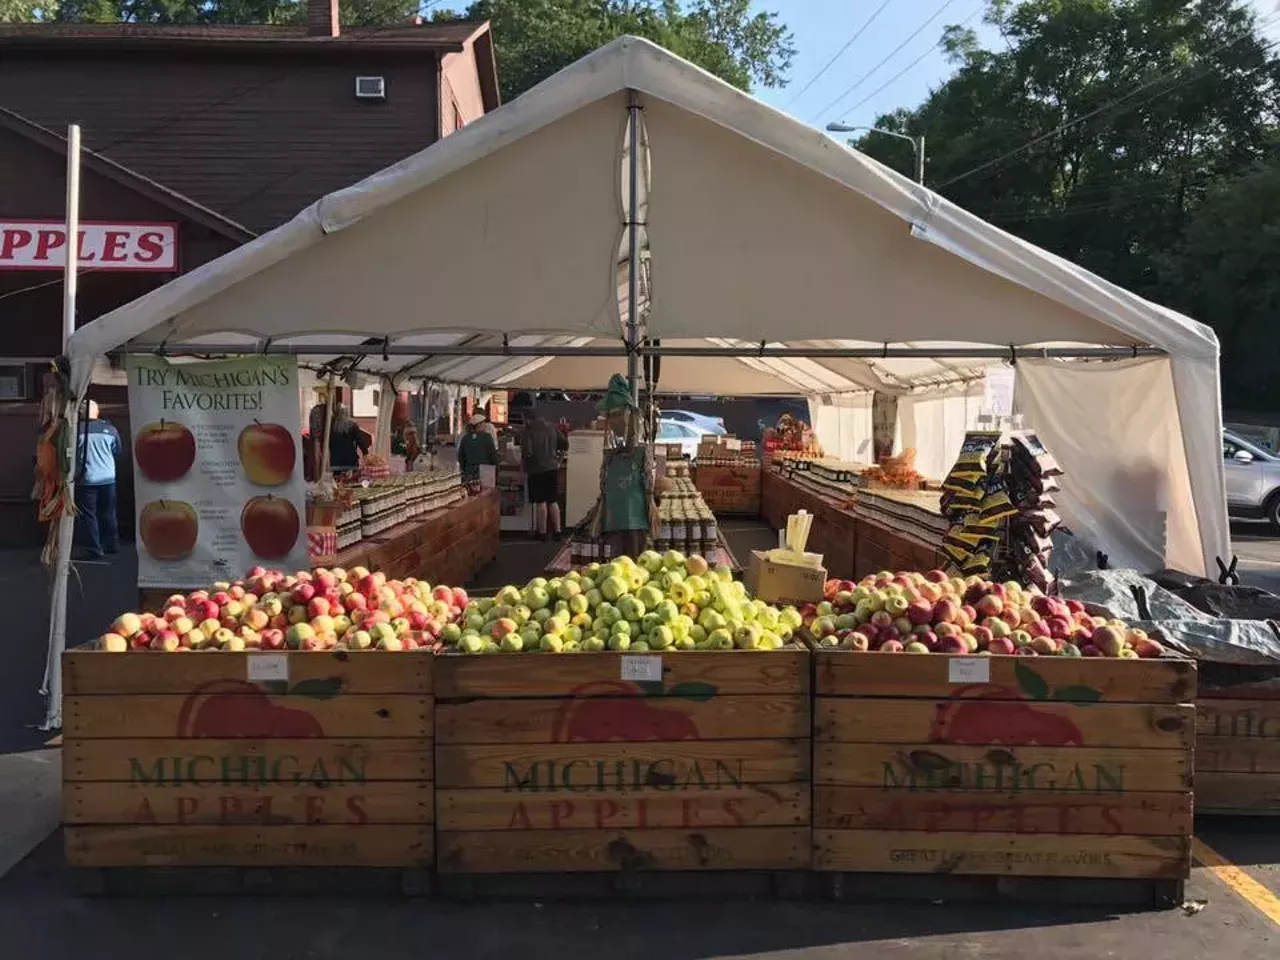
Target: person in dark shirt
[(475, 449), (98, 448), (346, 442), (539, 451)]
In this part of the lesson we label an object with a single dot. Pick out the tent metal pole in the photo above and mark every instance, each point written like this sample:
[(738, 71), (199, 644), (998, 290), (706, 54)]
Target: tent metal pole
[(667, 350), (633, 242)]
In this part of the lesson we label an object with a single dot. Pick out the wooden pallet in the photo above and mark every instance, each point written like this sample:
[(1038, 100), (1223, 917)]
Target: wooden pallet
[(555, 764), (1000, 767), (1238, 741), (248, 761)]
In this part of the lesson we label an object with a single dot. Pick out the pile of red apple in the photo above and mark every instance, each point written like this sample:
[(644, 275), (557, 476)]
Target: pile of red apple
[(934, 613), (322, 609)]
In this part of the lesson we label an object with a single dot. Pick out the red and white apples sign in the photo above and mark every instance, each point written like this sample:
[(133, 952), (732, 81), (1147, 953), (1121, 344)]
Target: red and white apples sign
[(42, 245)]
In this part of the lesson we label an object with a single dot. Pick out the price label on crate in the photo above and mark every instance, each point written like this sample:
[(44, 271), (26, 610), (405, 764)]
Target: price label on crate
[(268, 668), (969, 670), (642, 668)]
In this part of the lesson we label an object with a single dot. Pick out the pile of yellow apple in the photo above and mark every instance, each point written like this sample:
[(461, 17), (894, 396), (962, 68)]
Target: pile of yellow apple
[(321, 609), (659, 602), (932, 612)]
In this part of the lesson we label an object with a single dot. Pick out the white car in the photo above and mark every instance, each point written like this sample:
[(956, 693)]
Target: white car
[(700, 421), (688, 435)]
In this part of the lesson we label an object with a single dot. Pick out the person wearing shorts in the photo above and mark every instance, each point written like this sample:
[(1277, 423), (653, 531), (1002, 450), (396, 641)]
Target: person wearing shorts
[(539, 452)]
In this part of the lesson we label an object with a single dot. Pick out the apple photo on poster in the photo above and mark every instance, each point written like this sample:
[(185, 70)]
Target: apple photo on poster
[(267, 453), (164, 450), (270, 526), (168, 529)]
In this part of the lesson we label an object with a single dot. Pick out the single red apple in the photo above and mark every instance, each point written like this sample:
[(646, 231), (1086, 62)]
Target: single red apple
[(270, 526), (164, 451)]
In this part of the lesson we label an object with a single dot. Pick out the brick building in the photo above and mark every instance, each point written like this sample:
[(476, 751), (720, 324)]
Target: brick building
[(196, 139)]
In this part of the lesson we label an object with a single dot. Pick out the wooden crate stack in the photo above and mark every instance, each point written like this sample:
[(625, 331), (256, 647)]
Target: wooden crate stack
[(1238, 740), (1000, 768), (562, 765), (247, 761)]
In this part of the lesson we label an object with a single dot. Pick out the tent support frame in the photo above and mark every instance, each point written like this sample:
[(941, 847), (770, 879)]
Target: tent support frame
[(651, 349), (633, 243)]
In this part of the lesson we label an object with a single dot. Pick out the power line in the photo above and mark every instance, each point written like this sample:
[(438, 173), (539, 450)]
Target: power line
[(1112, 103), (901, 73), (892, 53), (839, 53)]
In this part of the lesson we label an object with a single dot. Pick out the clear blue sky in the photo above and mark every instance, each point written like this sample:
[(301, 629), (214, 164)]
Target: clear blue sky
[(822, 27)]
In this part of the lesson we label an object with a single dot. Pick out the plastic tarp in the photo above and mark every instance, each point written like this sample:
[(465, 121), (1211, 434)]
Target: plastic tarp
[(1190, 631), (758, 226)]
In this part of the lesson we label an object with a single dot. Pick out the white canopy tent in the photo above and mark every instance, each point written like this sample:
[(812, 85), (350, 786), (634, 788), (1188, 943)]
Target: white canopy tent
[(777, 260)]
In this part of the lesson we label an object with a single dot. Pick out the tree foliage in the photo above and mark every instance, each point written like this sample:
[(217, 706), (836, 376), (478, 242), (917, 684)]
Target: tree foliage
[(535, 38), (355, 13), (1118, 134)]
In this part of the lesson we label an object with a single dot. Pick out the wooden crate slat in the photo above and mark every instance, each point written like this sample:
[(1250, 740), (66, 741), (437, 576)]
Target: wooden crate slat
[(1244, 719), (1012, 854), (351, 804), (1062, 770), (1013, 678), (87, 671), (246, 761), (531, 768), (721, 673), (1241, 794), (1237, 755), (534, 851), (245, 846), (625, 718), (980, 721), (246, 711), (754, 805), (872, 808)]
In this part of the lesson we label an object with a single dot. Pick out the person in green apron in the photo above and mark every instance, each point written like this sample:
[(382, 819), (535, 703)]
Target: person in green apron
[(626, 475)]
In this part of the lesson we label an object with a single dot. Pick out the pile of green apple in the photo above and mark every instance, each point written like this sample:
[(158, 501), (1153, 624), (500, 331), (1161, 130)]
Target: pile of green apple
[(656, 602)]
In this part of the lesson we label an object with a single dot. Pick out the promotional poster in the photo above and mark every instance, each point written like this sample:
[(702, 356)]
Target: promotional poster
[(218, 480)]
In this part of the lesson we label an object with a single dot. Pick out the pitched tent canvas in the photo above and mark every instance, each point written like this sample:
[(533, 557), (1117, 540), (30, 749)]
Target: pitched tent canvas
[(760, 232)]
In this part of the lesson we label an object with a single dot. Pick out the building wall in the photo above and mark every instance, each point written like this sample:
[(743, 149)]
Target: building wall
[(255, 139)]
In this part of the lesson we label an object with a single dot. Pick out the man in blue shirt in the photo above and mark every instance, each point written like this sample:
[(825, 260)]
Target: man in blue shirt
[(99, 445)]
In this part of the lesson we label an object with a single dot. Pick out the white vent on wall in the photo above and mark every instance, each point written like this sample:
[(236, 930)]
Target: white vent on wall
[(371, 88)]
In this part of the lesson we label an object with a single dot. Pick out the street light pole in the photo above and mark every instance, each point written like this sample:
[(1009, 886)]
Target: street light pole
[(917, 143)]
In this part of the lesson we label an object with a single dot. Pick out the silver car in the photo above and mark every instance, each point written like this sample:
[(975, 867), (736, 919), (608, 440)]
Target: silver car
[(1253, 480)]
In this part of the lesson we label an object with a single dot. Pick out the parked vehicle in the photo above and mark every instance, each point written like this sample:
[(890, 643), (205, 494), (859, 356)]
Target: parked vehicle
[(1253, 480), (706, 424), (688, 435)]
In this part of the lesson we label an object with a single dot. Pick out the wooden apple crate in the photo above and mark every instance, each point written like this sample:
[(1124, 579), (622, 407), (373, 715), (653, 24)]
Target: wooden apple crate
[(213, 772), (1238, 740), (553, 771), (730, 489), (881, 547), (935, 782)]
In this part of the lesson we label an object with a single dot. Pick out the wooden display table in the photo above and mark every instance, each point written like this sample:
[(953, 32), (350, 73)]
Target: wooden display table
[(884, 531)]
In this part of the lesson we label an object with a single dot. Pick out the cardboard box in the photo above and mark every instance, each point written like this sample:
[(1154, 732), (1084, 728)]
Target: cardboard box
[(775, 582)]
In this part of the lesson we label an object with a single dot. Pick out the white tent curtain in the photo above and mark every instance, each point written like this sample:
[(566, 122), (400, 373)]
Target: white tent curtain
[(842, 424), (386, 407), (1115, 430), (934, 426)]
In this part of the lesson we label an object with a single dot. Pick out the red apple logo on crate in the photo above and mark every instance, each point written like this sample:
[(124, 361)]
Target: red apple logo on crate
[(992, 717), (270, 526), (267, 453), (237, 709), (164, 451), (168, 529), (588, 717)]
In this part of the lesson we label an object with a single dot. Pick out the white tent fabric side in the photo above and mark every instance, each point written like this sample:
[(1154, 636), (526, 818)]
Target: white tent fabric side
[(1126, 486)]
